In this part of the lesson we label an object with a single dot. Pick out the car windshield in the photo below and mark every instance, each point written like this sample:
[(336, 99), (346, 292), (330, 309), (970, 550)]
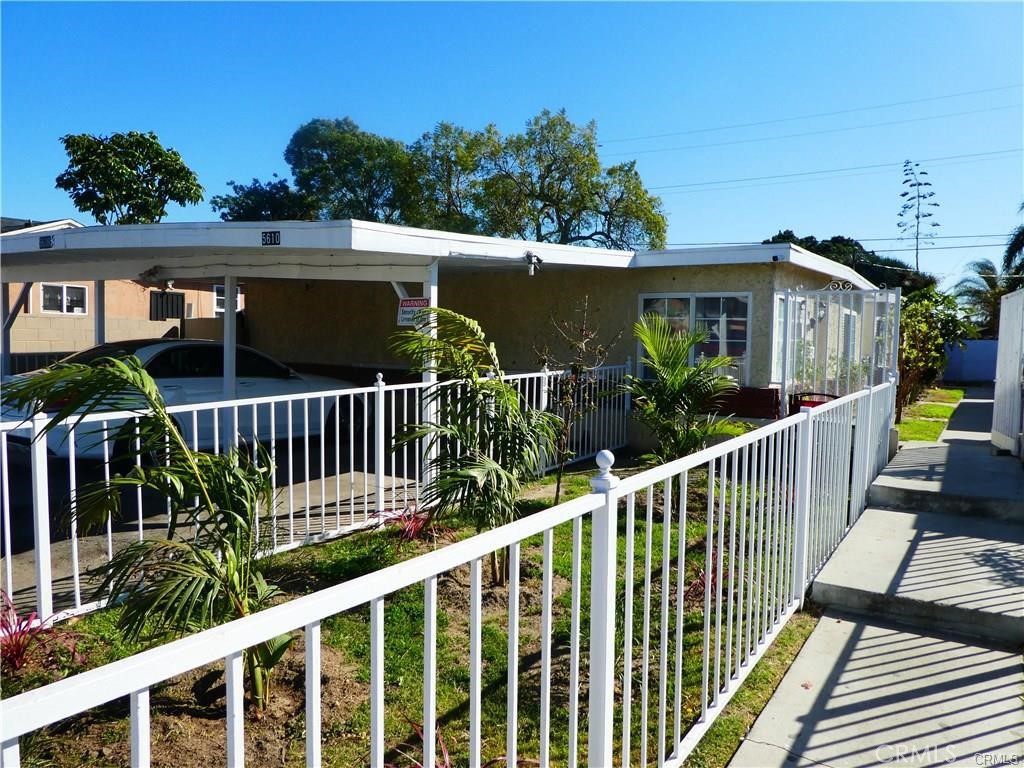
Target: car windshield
[(116, 349)]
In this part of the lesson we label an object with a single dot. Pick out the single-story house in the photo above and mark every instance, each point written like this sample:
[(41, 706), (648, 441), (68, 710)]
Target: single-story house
[(325, 295)]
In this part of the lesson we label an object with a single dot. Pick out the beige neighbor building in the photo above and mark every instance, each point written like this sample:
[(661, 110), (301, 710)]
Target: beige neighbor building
[(56, 317), (325, 296)]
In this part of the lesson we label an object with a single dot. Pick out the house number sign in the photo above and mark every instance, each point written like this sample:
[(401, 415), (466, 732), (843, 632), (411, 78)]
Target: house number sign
[(272, 238)]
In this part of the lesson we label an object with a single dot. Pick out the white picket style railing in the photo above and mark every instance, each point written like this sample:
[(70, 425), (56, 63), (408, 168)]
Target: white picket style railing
[(779, 500), (336, 470)]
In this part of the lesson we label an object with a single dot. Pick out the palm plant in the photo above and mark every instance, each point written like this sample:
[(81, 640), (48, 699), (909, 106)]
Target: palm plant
[(1013, 257), (982, 292), (481, 440), (680, 403), (178, 584)]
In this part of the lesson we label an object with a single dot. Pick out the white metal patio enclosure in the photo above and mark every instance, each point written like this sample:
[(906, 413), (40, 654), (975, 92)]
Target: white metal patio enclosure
[(337, 469), (833, 342), (778, 501), (1008, 411)]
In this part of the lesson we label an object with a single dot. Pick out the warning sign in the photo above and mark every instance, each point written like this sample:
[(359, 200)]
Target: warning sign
[(407, 309)]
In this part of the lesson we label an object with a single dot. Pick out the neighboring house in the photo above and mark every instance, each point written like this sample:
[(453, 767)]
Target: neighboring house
[(324, 295), (58, 317)]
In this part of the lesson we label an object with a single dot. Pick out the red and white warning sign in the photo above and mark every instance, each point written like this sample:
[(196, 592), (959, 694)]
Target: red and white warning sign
[(407, 309)]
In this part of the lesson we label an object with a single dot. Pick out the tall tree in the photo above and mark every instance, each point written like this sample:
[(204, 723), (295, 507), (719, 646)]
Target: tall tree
[(1013, 258), (981, 293), (126, 178), (880, 270), (270, 201), (917, 199), (547, 184), (351, 173), (447, 162)]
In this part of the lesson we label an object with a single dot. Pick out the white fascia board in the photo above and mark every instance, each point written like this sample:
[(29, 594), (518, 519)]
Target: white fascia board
[(808, 260), (374, 238), (49, 226), (707, 257)]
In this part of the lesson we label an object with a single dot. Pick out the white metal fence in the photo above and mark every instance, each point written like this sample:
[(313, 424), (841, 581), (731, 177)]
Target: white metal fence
[(834, 342), (773, 505), (1008, 407), (336, 469)]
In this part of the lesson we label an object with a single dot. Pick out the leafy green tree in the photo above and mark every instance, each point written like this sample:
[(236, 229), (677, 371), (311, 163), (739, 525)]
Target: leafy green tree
[(917, 199), (929, 320), (351, 173), (186, 582), (982, 293), (880, 270), (270, 201), (126, 178), (446, 162), (547, 184), (679, 402), (483, 441)]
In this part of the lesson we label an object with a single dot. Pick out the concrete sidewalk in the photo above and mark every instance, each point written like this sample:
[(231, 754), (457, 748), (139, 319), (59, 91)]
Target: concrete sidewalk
[(917, 659)]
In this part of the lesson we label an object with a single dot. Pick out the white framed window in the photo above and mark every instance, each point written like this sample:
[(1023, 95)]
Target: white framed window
[(63, 299), (218, 298), (725, 316)]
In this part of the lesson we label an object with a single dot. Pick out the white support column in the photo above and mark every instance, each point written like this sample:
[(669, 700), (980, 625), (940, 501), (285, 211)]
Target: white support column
[(784, 384), (41, 518), (430, 292), (100, 312), (230, 335), (429, 409)]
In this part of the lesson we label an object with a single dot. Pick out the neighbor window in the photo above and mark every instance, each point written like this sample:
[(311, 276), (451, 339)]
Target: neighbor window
[(218, 298), (65, 299), (725, 317)]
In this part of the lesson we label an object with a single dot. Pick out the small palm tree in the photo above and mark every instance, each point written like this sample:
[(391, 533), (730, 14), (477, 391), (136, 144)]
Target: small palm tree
[(680, 403), (176, 585), (982, 292), (1013, 257), (483, 442)]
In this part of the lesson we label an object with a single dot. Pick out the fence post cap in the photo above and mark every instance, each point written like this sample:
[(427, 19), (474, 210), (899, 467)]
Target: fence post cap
[(604, 481), (380, 379)]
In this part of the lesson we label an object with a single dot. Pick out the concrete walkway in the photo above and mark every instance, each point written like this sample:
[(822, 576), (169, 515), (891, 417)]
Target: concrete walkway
[(917, 658)]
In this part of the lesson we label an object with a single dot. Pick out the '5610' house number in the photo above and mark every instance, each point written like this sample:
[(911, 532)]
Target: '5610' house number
[(272, 238)]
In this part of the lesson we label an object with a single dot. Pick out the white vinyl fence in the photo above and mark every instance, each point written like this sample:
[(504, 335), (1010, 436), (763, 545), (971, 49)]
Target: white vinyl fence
[(1008, 407), (772, 506), (336, 470)]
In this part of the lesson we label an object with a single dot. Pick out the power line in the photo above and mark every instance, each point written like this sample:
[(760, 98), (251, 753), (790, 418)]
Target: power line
[(807, 117), (813, 133), (834, 170)]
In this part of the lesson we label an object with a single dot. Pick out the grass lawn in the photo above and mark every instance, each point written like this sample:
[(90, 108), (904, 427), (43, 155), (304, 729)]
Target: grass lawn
[(920, 429), (925, 419), (943, 395), (187, 713), (921, 410)]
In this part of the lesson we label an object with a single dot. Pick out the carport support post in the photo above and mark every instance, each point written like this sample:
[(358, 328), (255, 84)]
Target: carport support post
[(228, 425), (100, 315), (41, 519), (378, 445), (429, 377)]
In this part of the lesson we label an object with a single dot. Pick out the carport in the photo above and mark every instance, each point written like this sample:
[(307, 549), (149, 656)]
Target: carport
[(226, 252)]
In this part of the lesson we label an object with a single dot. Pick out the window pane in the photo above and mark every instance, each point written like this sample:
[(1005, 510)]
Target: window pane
[(75, 299), (679, 309), (709, 306), (657, 306), (736, 329), (735, 307), (203, 361), (254, 365), (53, 298)]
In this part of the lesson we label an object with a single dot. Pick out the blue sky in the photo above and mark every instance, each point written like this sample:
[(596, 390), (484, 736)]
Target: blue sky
[(227, 84)]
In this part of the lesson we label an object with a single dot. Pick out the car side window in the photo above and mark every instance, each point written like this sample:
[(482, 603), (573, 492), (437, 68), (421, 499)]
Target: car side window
[(188, 362), (254, 365)]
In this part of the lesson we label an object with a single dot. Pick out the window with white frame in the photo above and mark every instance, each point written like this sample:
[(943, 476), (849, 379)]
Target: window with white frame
[(63, 299), (218, 298), (725, 317)]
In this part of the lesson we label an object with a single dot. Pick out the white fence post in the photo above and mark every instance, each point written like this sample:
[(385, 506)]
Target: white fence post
[(542, 404), (10, 754), (805, 439), (861, 456), (41, 518), (602, 615), (628, 401), (378, 445)]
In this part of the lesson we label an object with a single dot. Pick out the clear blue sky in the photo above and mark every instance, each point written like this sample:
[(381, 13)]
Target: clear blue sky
[(227, 84)]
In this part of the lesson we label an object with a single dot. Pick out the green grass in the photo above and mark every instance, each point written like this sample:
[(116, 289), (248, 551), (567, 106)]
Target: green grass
[(918, 429), (921, 410), (943, 395)]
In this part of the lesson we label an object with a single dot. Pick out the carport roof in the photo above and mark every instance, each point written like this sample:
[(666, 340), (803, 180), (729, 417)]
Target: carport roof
[(332, 250)]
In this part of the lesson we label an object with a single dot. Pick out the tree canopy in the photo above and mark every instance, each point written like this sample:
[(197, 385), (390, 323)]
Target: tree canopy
[(126, 178), (546, 183), (273, 201), (880, 270)]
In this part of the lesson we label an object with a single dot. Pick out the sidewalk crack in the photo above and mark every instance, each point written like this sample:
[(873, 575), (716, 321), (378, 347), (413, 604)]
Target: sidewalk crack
[(788, 751)]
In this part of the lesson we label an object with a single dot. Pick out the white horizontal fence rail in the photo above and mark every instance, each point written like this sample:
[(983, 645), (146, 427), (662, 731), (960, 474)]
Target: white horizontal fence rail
[(338, 467), (726, 540)]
